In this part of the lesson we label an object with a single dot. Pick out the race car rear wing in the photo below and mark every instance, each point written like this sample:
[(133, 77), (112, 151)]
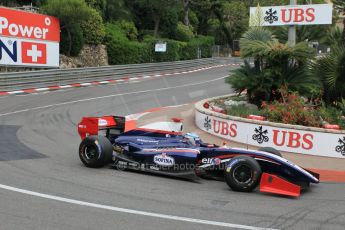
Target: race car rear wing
[(114, 125)]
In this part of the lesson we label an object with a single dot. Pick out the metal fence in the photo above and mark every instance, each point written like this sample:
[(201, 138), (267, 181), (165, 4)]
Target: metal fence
[(44, 78)]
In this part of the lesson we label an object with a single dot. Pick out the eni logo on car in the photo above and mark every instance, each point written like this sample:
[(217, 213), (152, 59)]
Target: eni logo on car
[(212, 161), (164, 160)]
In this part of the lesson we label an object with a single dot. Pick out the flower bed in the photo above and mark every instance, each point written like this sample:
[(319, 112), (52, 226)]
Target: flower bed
[(255, 132), (294, 110)]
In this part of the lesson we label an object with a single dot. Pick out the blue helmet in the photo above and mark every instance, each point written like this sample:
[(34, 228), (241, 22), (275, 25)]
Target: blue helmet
[(193, 138)]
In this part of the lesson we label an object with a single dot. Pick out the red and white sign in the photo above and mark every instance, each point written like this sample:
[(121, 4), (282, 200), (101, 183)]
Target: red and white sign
[(284, 139), (28, 39), (317, 14)]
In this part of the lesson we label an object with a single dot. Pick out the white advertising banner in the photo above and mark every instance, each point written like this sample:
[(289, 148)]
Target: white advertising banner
[(289, 140), (317, 14), (28, 39), (15, 51)]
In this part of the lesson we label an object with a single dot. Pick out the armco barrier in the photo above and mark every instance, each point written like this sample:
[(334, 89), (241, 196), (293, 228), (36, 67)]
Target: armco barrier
[(44, 78), (284, 137)]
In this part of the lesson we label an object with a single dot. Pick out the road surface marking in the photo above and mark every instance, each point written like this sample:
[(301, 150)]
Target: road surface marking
[(109, 96), (131, 211)]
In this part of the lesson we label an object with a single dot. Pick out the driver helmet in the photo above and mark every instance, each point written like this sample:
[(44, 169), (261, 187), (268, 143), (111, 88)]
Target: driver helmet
[(193, 138)]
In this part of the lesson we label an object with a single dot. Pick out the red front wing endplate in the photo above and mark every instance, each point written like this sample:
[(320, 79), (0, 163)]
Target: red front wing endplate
[(273, 184)]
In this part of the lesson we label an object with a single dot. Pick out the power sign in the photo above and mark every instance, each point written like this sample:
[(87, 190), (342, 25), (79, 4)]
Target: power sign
[(317, 14), (28, 39)]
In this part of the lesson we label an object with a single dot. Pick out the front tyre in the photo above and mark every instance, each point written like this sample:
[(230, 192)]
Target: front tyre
[(95, 151), (243, 174)]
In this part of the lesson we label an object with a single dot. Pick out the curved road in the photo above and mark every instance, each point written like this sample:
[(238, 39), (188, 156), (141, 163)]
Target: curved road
[(43, 184)]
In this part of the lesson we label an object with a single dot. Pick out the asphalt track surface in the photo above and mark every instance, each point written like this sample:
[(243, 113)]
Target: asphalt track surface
[(43, 184)]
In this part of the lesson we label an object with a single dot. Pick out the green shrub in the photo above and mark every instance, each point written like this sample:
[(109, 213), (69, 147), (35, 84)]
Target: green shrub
[(93, 28), (127, 52), (204, 43), (242, 111), (183, 32), (342, 106), (129, 29), (121, 50), (172, 52), (331, 115), (114, 33), (276, 65), (77, 41)]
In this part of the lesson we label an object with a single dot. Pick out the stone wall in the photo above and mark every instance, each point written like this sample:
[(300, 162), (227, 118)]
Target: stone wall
[(90, 56)]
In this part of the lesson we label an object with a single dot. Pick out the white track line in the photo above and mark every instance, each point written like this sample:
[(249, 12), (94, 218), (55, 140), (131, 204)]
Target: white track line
[(65, 86), (109, 96), (131, 211), (42, 89)]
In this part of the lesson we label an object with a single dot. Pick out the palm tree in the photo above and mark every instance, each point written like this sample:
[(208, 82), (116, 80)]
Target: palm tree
[(276, 66), (331, 69), (339, 5)]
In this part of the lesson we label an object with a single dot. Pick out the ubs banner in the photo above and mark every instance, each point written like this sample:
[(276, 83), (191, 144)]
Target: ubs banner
[(284, 139), (28, 39), (317, 14)]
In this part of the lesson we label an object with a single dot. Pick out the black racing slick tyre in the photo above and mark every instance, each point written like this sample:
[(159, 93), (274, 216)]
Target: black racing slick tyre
[(270, 150), (242, 173), (95, 151)]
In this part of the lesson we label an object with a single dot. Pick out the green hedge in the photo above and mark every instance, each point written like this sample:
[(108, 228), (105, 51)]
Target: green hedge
[(123, 51), (205, 43), (127, 53), (172, 53)]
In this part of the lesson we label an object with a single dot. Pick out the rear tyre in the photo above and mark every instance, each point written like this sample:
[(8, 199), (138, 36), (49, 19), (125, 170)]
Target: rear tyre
[(270, 150), (242, 174), (95, 151)]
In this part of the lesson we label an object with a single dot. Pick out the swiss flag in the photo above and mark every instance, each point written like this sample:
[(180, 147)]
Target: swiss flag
[(34, 53)]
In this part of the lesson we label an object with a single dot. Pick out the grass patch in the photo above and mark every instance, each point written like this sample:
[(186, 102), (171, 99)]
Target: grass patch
[(242, 110)]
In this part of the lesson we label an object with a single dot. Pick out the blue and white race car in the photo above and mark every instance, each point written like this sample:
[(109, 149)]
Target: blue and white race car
[(162, 148)]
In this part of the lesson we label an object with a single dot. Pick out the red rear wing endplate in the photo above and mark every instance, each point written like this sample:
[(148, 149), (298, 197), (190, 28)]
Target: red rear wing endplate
[(91, 125)]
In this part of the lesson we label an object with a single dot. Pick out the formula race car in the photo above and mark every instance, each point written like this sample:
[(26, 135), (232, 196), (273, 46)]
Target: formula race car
[(161, 148)]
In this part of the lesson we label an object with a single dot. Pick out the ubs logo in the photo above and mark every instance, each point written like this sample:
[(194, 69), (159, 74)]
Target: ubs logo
[(341, 147), (260, 135), (207, 123), (271, 16)]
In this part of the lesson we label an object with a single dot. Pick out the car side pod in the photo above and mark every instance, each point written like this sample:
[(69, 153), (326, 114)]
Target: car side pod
[(273, 184)]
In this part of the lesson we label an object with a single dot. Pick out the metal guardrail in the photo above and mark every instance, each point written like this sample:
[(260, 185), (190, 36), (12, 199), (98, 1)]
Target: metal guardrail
[(44, 78)]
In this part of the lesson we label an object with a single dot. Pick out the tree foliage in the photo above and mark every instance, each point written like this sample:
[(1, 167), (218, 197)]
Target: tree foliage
[(99, 5), (154, 10), (71, 14), (77, 39), (235, 17), (117, 10), (183, 32), (182, 20), (339, 5), (93, 28)]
